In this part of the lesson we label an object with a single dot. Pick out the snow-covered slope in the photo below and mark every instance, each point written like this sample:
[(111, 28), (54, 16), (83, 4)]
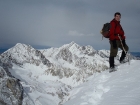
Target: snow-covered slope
[(117, 88), (39, 88)]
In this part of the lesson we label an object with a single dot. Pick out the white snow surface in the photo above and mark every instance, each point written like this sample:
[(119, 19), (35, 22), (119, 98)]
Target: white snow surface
[(121, 87)]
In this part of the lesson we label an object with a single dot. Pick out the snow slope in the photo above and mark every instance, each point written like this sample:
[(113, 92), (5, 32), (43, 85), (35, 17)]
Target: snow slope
[(117, 88)]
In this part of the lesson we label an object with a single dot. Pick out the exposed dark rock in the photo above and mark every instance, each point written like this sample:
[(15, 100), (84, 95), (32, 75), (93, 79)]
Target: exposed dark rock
[(11, 90)]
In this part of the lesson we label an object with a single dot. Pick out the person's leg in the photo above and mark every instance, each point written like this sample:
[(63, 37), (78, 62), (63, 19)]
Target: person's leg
[(113, 53), (123, 52), (111, 62)]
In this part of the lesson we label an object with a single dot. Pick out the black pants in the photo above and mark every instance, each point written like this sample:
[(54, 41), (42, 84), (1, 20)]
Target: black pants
[(114, 51)]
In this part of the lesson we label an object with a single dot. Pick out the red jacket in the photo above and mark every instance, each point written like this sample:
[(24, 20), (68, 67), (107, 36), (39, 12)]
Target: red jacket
[(115, 30)]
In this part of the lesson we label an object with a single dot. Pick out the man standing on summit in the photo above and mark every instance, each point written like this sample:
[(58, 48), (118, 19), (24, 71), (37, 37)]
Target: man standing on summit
[(116, 36)]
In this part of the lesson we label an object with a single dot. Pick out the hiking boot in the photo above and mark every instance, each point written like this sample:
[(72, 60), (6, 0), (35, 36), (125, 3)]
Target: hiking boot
[(112, 69), (112, 66), (123, 61)]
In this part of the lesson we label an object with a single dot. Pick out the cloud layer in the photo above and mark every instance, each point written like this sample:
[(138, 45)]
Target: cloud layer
[(57, 22)]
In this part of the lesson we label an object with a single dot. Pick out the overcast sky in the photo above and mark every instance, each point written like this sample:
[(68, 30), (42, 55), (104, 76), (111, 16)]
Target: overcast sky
[(53, 23)]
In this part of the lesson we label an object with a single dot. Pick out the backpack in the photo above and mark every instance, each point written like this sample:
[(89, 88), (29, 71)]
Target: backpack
[(105, 30)]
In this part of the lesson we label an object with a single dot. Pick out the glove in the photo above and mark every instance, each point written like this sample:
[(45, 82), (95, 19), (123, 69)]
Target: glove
[(114, 43), (123, 42)]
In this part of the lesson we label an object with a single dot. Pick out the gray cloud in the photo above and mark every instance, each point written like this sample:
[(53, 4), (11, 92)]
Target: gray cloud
[(57, 22)]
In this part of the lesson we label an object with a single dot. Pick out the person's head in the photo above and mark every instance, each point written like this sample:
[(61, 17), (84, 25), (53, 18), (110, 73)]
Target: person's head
[(117, 16)]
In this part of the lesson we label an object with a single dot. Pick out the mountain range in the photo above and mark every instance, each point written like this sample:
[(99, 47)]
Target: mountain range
[(45, 77)]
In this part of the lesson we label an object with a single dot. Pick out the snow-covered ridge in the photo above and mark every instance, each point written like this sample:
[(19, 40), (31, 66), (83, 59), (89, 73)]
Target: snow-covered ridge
[(21, 53)]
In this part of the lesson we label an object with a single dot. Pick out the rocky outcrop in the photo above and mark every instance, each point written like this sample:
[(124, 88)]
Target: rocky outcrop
[(65, 54), (11, 92)]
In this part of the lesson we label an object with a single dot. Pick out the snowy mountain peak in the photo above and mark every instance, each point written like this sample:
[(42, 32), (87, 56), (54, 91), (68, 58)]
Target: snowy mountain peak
[(20, 48), (20, 44), (23, 46), (75, 49), (22, 53), (72, 44)]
